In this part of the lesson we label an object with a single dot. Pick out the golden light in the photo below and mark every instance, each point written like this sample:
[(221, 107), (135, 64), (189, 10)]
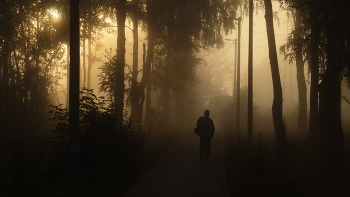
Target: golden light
[(54, 13)]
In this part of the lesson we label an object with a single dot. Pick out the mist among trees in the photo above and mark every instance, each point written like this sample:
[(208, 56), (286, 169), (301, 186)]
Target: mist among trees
[(143, 68)]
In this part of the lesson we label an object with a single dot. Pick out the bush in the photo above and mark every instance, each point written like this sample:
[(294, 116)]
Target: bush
[(110, 153)]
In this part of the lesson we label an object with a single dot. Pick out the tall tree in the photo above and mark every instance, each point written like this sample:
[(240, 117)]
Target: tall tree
[(327, 23), (7, 20), (328, 45), (31, 55), (119, 87), (190, 25), (296, 50), (299, 61), (336, 61), (281, 138), (139, 94), (93, 14), (314, 64), (135, 108), (74, 92), (188, 17)]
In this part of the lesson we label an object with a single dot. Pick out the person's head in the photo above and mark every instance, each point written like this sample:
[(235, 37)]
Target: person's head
[(207, 112)]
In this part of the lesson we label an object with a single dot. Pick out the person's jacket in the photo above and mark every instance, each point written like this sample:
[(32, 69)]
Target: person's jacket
[(206, 125)]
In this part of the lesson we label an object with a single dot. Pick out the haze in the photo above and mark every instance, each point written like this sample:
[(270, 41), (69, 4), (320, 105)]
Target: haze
[(148, 69)]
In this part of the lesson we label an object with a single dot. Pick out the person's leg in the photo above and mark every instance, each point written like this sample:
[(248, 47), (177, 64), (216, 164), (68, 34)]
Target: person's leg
[(201, 146), (207, 147)]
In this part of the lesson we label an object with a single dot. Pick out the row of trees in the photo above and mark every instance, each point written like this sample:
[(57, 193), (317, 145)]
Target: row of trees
[(34, 57), (34, 46), (175, 32), (320, 40)]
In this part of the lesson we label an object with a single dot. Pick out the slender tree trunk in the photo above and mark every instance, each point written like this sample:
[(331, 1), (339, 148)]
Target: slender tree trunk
[(315, 32), (135, 108), (148, 102), (74, 93), (166, 91), (83, 83), (4, 94), (146, 73), (165, 103), (147, 114), (68, 74), (4, 86), (120, 62), (281, 138), (89, 67), (332, 78), (250, 77), (302, 91), (322, 115), (36, 90), (26, 76)]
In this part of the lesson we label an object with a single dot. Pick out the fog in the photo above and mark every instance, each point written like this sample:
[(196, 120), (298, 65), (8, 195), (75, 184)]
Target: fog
[(147, 78), (220, 62), (216, 69)]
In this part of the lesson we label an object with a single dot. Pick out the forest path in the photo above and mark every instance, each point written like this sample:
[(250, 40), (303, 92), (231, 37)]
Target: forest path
[(182, 173)]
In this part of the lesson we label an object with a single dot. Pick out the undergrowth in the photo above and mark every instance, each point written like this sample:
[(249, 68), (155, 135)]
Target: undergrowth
[(112, 156), (255, 171)]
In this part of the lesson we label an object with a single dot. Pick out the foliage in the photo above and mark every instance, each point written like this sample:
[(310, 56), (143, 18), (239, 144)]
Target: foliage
[(110, 153), (112, 156), (107, 75), (32, 62)]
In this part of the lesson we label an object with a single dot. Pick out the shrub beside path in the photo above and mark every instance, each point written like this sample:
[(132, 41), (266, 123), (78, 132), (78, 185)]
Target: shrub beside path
[(182, 173)]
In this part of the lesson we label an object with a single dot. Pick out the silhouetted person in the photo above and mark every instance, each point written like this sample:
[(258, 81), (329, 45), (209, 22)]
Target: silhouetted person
[(206, 125)]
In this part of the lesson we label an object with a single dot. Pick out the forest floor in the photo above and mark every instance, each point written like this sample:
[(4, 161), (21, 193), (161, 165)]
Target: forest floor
[(305, 172)]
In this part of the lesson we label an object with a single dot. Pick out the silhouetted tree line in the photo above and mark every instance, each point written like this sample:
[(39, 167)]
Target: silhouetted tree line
[(175, 32), (320, 40), (31, 64), (34, 46)]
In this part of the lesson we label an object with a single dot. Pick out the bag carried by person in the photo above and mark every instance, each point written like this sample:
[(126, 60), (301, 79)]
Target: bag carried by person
[(198, 130)]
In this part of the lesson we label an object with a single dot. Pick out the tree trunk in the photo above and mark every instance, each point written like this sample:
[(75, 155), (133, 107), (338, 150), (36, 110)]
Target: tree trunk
[(302, 91), (332, 78), (315, 32), (322, 116), (281, 138), (166, 90), (74, 93), (148, 97), (88, 77), (148, 104), (27, 65), (4, 71), (250, 77), (83, 83), (135, 108), (120, 62), (146, 73), (165, 103)]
